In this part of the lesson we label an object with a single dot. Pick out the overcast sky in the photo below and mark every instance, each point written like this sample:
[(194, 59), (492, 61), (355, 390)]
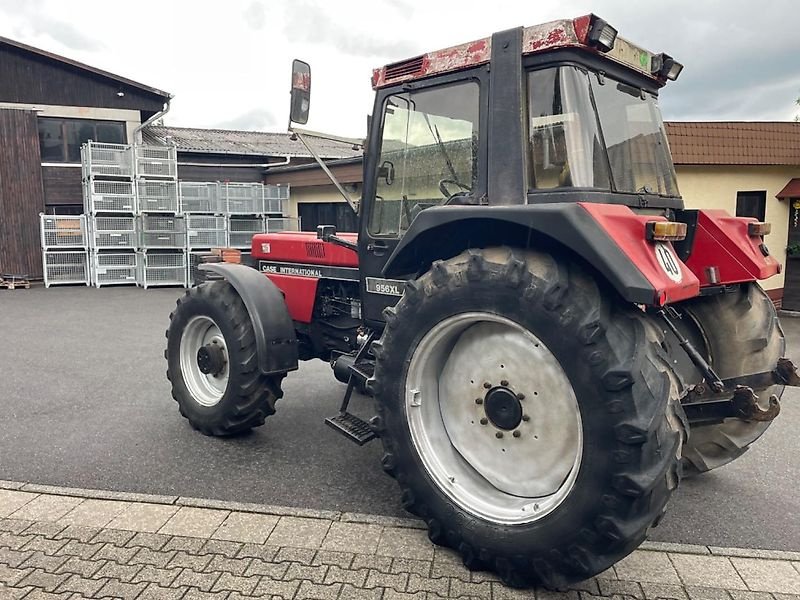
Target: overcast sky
[(228, 63)]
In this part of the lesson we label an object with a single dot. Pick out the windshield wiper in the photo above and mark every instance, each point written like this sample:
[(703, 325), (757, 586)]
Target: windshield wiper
[(438, 138)]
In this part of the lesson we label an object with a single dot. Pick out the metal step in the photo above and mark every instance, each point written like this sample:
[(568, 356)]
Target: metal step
[(352, 427), (363, 370)]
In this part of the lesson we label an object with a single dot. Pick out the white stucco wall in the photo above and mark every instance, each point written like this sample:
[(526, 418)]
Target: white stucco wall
[(716, 187)]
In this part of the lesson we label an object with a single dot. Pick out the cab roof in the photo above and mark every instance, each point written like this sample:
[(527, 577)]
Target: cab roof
[(564, 33)]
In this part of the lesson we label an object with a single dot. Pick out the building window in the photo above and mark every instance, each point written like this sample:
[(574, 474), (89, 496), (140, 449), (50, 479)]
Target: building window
[(752, 204), (60, 140)]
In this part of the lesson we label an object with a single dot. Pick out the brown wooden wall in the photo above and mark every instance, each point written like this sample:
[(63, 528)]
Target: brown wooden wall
[(62, 185), (21, 193), (29, 78)]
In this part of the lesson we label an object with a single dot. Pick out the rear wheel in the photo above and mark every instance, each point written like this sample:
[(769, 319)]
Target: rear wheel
[(742, 336), (528, 414), (213, 363)]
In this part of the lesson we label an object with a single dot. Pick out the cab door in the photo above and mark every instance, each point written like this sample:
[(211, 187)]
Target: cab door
[(424, 152)]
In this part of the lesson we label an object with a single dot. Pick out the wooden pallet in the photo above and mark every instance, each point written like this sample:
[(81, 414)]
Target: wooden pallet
[(13, 282)]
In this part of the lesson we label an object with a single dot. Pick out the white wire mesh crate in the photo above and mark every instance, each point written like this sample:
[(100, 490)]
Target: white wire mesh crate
[(61, 231), (200, 197), (161, 268), (156, 161), (63, 267), (113, 232), (242, 198), (206, 231), (275, 199), (157, 196), (106, 160), (242, 229), (107, 196), (275, 224), (162, 231), (114, 268)]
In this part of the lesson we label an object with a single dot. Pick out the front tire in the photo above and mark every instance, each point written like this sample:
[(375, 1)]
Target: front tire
[(212, 362), (742, 336), (596, 388)]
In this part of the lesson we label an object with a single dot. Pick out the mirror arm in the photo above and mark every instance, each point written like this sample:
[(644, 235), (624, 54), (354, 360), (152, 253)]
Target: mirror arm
[(355, 142), (301, 136)]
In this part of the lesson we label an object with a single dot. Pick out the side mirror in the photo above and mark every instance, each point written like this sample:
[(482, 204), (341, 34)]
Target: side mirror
[(386, 171), (325, 232), (301, 92)]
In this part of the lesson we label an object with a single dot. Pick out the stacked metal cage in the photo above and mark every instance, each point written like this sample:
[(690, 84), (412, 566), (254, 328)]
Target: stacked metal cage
[(141, 226), (110, 204), (65, 258), (162, 229)]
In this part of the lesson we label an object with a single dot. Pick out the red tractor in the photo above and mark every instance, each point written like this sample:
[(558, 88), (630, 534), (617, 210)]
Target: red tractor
[(551, 339)]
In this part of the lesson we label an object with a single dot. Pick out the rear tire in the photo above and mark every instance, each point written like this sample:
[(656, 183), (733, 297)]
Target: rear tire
[(236, 396), (625, 393), (743, 336)]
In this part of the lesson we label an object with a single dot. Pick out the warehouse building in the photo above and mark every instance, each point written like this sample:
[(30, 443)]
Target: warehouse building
[(51, 105)]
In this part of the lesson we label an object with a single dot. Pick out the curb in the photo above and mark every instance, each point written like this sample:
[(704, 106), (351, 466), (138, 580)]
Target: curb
[(264, 509), (349, 517)]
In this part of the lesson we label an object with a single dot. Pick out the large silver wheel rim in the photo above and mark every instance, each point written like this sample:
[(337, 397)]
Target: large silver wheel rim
[(206, 389), (501, 472)]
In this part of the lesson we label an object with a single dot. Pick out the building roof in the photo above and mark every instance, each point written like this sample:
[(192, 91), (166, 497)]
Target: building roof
[(254, 143), (734, 142), (55, 58)]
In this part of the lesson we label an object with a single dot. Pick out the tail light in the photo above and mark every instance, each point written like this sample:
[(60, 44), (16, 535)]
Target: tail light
[(665, 231), (759, 229)]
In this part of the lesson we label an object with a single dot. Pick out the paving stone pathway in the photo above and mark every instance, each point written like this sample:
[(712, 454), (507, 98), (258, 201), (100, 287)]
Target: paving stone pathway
[(70, 544)]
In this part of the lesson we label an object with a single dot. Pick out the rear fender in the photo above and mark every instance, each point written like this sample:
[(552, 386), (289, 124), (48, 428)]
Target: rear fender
[(276, 341), (722, 241), (611, 238)]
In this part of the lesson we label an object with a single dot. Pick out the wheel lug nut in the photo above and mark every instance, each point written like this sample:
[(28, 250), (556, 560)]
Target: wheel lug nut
[(504, 382), (521, 396), (478, 400), (487, 385), (484, 421), (526, 418), (498, 435), (517, 434)]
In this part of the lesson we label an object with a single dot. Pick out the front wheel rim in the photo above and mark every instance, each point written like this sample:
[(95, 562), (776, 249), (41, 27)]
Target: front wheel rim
[(207, 389), (494, 418)]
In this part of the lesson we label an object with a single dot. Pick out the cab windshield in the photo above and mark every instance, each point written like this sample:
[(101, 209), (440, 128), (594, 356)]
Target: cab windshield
[(587, 131)]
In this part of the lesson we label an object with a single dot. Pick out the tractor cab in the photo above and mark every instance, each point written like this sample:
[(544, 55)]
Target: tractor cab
[(562, 112), (570, 114)]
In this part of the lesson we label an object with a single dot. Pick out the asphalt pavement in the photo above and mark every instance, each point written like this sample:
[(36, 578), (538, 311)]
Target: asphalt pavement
[(85, 403)]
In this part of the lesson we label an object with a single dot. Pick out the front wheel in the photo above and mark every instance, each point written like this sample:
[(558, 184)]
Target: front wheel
[(212, 362), (529, 415)]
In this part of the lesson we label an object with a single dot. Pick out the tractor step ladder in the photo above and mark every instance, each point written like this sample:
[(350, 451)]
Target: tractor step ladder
[(352, 427), (349, 425)]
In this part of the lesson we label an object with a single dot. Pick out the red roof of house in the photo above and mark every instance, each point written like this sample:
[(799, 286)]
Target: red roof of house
[(734, 142)]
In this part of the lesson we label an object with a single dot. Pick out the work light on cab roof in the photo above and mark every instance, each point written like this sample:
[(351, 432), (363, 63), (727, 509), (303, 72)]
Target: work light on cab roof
[(589, 32)]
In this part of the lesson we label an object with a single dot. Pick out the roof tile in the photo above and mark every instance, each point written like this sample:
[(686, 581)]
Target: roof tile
[(734, 142)]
